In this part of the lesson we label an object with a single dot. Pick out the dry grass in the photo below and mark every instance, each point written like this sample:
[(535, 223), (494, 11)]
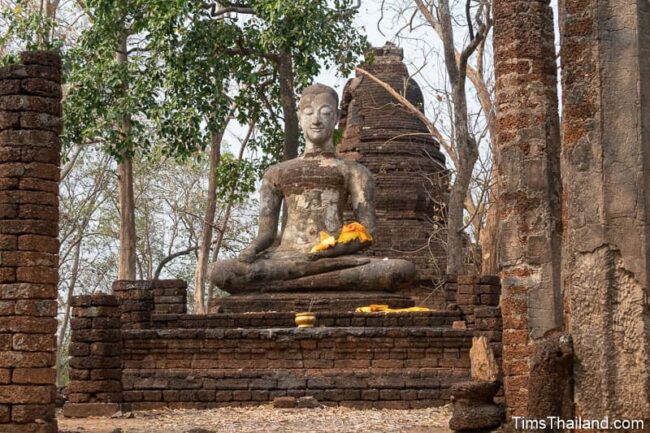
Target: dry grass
[(267, 419)]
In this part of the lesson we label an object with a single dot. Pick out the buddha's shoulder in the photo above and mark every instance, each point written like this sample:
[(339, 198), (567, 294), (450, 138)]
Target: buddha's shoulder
[(355, 168), (277, 169)]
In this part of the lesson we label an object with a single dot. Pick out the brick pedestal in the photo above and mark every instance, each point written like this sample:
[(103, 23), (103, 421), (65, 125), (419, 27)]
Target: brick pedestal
[(95, 387), (30, 122)]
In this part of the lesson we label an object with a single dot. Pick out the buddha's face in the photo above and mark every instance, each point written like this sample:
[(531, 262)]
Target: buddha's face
[(318, 115)]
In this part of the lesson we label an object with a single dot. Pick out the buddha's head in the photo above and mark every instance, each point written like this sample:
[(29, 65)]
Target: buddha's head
[(318, 113)]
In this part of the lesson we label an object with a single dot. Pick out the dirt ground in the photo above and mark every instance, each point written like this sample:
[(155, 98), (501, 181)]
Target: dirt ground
[(266, 419)]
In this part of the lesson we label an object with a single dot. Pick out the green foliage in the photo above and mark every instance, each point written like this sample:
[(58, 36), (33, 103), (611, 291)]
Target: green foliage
[(26, 30), (110, 99), (188, 70)]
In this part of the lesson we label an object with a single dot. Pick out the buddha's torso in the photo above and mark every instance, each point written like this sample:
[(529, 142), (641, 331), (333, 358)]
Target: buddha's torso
[(315, 190)]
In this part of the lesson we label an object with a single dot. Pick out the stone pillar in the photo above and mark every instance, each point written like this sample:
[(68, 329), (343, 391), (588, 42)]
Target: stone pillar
[(30, 122), (606, 164), (95, 387), (527, 155)]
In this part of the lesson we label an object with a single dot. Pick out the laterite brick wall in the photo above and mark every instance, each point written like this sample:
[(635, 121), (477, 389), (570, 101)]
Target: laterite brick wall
[(30, 123), (364, 360)]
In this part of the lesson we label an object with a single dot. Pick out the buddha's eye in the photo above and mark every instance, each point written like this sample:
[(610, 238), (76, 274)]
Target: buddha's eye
[(308, 111), (326, 111)]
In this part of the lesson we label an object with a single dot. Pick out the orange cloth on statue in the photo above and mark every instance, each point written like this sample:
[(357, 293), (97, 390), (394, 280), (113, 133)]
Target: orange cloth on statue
[(349, 232)]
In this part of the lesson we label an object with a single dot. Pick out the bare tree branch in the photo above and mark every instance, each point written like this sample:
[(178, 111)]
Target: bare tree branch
[(163, 262)]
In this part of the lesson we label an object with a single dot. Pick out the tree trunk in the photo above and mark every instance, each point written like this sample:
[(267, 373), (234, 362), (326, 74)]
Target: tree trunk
[(126, 262), (226, 218), (291, 122), (208, 222), (467, 151), (488, 241), (68, 306), (489, 233), (288, 101)]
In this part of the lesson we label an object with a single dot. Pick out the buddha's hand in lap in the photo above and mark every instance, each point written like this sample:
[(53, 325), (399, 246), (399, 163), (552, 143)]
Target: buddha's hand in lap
[(340, 249), (247, 255)]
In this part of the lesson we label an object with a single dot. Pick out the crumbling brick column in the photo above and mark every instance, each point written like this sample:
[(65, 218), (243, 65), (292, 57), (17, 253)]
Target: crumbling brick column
[(488, 323), (169, 296), (142, 298), (136, 302), (606, 164), (30, 122), (95, 387), (475, 291), (527, 156)]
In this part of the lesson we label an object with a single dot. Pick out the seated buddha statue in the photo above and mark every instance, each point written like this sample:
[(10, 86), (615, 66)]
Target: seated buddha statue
[(311, 254)]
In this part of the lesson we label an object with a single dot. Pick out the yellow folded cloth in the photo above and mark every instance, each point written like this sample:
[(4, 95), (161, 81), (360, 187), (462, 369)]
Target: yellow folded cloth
[(353, 231), (373, 308), (349, 232), (326, 241)]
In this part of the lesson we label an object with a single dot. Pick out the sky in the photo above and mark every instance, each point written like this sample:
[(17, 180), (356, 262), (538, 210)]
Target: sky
[(367, 19)]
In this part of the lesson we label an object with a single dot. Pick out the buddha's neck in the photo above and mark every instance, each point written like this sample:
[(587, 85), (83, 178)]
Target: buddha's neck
[(312, 150)]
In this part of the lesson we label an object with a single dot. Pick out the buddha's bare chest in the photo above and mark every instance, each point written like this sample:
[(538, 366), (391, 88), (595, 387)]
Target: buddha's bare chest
[(313, 181)]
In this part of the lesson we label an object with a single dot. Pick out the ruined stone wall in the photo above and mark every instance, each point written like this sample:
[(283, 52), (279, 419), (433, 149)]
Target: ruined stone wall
[(30, 122), (528, 186), (605, 163), (171, 359), (380, 367)]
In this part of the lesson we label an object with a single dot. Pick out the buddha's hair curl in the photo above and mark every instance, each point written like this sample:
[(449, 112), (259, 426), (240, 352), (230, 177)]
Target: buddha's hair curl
[(317, 89)]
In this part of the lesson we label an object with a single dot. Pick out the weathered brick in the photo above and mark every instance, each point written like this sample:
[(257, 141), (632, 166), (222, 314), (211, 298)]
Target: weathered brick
[(36, 307), (27, 324), (35, 120), (8, 242), (30, 103), (24, 258), (23, 394), (34, 342), (94, 386), (38, 376), (9, 87), (26, 359), (46, 244)]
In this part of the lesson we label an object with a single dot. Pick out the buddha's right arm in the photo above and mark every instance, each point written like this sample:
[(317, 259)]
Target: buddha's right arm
[(270, 205)]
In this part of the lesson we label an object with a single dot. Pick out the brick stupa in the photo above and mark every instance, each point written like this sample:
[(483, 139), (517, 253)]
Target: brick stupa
[(409, 169)]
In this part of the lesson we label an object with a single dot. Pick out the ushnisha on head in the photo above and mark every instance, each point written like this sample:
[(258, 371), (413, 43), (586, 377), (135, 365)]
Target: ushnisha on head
[(318, 113)]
